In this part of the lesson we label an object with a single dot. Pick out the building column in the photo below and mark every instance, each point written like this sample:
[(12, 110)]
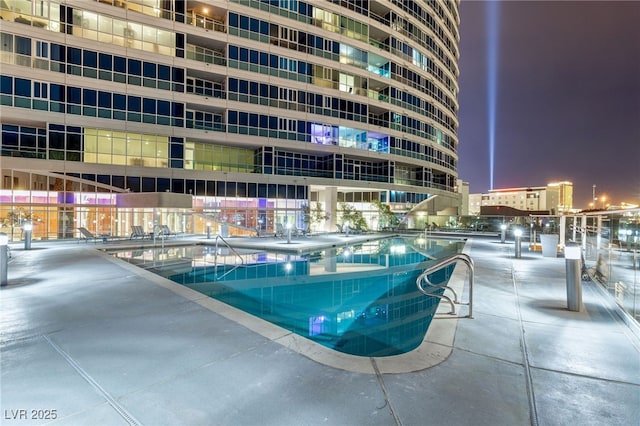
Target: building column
[(329, 196), (331, 261)]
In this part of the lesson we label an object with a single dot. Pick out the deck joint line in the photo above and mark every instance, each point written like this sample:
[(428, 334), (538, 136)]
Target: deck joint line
[(525, 355), (396, 418), (116, 406)]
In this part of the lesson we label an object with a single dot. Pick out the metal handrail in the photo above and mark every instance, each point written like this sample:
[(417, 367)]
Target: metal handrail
[(439, 265), (215, 259)]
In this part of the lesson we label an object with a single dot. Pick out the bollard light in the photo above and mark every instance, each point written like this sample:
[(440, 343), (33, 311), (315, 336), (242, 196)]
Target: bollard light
[(289, 233), (518, 234), (503, 232), (573, 268), (4, 258), (346, 229), (572, 252), (208, 230), (27, 227)]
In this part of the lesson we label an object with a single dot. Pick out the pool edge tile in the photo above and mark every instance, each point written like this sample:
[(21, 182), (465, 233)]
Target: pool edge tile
[(326, 356)]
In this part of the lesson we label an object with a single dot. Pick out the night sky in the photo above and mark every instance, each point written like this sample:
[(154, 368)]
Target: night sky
[(568, 97)]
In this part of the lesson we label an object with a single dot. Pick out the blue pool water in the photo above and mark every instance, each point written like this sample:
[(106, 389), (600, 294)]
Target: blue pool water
[(361, 300)]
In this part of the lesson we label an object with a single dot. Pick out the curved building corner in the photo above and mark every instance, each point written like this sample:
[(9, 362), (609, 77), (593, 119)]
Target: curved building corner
[(261, 111)]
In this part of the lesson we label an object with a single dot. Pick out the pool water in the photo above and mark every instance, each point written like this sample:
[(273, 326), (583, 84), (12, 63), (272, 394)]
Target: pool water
[(360, 300)]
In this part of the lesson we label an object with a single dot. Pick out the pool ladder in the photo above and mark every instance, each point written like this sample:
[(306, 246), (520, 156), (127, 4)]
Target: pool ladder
[(427, 288), (232, 250)]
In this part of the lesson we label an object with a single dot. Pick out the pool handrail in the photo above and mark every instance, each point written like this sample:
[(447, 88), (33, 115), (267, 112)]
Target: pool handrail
[(423, 277), (231, 249)]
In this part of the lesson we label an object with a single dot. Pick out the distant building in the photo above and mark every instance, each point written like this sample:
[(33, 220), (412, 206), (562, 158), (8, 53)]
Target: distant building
[(555, 198)]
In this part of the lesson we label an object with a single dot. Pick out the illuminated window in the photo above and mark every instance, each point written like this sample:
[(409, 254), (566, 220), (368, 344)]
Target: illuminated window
[(122, 148)]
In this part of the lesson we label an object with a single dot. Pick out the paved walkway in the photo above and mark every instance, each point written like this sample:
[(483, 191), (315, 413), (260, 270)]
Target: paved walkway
[(86, 339)]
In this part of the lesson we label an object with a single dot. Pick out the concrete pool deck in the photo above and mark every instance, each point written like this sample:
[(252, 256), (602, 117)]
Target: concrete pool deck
[(101, 342)]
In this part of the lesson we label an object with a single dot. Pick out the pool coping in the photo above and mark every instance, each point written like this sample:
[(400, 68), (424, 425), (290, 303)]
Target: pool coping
[(435, 348)]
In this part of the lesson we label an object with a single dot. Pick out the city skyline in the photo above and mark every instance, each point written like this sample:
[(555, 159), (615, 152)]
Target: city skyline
[(567, 99)]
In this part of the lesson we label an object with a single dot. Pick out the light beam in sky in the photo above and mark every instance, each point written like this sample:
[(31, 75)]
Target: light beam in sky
[(492, 21)]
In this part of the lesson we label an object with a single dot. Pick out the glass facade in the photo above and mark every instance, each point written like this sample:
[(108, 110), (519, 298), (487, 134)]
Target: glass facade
[(328, 101)]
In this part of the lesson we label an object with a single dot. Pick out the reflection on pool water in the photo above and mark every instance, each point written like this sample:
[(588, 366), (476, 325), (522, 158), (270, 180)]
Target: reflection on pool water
[(361, 299)]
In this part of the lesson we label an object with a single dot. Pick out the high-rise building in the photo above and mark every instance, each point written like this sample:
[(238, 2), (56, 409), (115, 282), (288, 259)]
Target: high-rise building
[(256, 111)]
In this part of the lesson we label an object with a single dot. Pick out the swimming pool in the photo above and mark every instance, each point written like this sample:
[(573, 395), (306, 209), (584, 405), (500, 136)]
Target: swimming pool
[(357, 299)]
